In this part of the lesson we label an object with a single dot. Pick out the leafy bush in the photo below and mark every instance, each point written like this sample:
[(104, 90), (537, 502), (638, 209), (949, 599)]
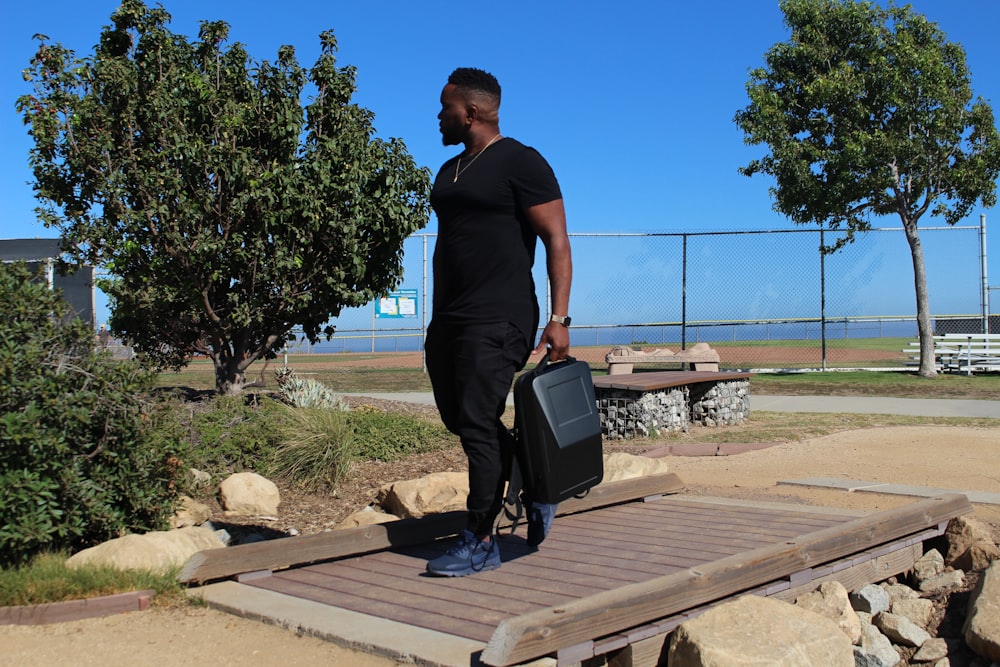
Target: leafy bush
[(230, 434), (388, 436), (83, 455)]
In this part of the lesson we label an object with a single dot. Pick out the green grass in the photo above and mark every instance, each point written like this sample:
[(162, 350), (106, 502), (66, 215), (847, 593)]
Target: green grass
[(985, 386), (47, 579), (893, 345), (769, 427), (359, 379)]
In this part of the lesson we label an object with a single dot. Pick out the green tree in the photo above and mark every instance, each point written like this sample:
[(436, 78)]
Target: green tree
[(868, 112), (227, 209)]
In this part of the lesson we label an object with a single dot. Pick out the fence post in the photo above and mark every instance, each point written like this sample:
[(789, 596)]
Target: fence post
[(684, 289), (822, 296), (982, 271)]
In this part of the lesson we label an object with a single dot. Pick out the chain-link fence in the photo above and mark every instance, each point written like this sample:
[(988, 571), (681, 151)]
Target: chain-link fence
[(763, 299)]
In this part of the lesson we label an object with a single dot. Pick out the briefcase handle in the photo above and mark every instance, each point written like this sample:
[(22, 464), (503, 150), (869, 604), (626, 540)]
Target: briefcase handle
[(544, 363)]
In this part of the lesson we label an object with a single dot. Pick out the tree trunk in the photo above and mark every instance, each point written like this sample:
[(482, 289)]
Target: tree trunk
[(229, 377), (925, 331)]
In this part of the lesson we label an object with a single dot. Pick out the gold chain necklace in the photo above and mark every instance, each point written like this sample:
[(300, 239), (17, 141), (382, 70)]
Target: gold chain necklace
[(459, 172)]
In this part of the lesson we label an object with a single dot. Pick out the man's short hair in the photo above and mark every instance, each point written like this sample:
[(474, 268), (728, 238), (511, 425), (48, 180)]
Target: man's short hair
[(478, 81)]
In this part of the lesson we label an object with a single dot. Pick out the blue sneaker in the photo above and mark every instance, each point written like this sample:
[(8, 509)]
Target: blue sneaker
[(540, 517), (467, 556)]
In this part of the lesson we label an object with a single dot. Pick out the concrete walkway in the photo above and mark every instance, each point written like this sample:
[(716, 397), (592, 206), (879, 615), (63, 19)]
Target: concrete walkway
[(918, 407)]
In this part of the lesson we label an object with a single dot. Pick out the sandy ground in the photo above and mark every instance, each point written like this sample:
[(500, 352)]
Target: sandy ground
[(944, 457)]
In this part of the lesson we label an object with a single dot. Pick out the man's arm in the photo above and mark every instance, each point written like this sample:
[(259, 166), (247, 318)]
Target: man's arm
[(549, 222)]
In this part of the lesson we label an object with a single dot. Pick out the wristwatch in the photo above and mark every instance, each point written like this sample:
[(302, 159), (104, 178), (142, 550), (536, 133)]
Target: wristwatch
[(561, 319)]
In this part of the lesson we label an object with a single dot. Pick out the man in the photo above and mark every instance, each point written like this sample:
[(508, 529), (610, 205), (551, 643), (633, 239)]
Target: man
[(493, 201)]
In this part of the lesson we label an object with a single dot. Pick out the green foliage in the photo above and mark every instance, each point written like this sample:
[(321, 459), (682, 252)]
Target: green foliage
[(315, 449), (305, 392), (46, 579), (229, 434), (389, 436), (83, 457), (226, 211), (317, 445)]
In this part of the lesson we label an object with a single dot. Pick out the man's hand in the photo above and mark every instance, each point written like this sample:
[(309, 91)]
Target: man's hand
[(556, 338)]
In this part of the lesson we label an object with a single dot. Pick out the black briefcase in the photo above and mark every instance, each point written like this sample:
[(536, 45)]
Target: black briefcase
[(558, 430)]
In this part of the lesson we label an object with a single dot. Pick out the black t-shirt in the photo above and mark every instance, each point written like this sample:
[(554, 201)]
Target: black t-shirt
[(485, 247)]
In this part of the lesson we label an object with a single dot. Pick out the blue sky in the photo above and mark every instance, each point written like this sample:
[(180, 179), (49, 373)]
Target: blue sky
[(632, 102)]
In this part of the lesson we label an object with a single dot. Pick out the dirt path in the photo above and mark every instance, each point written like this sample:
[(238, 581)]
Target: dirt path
[(947, 457)]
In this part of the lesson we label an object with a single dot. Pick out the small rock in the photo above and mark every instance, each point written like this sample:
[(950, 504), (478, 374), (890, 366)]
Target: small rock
[(950, 579), (918, 610), (899, 592), (875, 649), (900, 629), (870, 599), (928, 566), (932, 650), (190, 513), (199, 478), (831, 600)]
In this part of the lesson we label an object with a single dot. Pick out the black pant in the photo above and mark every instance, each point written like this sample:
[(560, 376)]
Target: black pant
[(471, 368)]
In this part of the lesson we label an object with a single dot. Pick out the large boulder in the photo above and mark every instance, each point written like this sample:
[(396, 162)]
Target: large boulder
[(759, 631), (249, 494), (159, 551), (970, 545), (431, 494), (982, 625)]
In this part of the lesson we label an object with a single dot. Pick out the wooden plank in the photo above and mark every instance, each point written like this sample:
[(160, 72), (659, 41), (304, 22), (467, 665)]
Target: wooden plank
[(74, 610), (539, 633), (871, 571), (288, 552), (470, 626), (664, 379)]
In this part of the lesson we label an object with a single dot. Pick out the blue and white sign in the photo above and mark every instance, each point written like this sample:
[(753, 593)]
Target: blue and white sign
[(402, 303)]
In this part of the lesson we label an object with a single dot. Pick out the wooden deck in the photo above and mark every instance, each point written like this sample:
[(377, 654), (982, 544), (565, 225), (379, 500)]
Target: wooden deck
[(614, 580)]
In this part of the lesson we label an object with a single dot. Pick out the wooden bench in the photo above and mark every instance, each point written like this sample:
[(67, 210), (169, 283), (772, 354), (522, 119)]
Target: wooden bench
[(622, 358), (962, 352), (641, 404)]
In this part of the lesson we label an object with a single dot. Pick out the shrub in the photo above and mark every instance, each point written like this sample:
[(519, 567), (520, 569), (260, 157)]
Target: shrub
[(82, 456), (230, 434), (315, 447), (306, 393), (388, 436)]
